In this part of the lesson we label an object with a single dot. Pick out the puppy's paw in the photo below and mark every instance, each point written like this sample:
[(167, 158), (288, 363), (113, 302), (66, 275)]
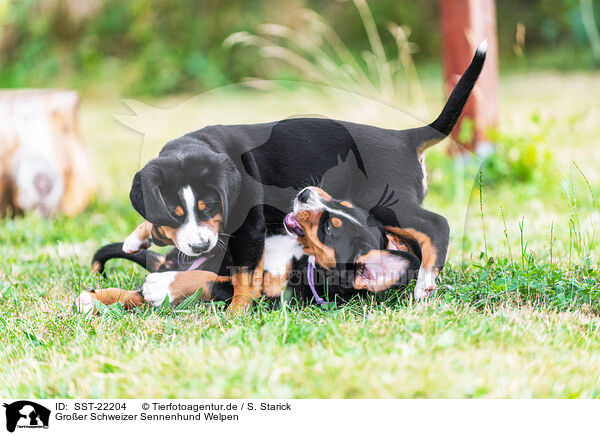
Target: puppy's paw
[(425, 284), (84, 303), (133, 244), (157, 287)]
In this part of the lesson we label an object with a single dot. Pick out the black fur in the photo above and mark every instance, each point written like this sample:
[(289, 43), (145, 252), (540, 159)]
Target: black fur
[(257, 169)]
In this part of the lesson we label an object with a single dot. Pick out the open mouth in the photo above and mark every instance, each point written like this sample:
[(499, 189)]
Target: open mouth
[(292, 225)]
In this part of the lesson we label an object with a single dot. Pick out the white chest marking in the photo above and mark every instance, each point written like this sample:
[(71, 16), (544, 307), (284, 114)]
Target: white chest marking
[(279, 251)]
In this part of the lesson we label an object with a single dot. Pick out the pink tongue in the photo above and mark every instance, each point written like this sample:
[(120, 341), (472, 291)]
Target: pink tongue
[(292, 224)]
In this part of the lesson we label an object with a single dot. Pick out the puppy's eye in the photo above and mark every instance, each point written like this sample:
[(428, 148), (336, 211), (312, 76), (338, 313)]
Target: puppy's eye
[(208, 207), (178, 211), (334, 223)]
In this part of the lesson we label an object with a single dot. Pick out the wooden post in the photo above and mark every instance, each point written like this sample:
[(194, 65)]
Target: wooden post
[(465, 23), (43, 162)]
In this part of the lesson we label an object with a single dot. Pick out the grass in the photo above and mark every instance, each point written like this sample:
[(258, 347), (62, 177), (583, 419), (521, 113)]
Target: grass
[(318, 53), (516, 316)]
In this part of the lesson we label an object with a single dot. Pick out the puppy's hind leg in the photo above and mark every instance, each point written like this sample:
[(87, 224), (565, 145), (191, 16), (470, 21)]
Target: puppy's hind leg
[(432, 233)]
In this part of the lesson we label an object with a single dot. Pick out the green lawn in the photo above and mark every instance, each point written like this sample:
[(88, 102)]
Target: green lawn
[(516, 315)]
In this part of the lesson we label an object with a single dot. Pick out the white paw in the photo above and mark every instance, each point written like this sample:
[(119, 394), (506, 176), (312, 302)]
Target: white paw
[(133, 244), (425, 284), (156, 288), (84, 303)]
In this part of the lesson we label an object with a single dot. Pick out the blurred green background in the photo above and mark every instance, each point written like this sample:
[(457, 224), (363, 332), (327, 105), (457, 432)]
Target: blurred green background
[(153, 48)]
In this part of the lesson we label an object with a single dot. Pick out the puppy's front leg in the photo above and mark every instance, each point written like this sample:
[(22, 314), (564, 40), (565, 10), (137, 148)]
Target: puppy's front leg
[(247, 247), (177, 286), (247, 285), (140, 238)]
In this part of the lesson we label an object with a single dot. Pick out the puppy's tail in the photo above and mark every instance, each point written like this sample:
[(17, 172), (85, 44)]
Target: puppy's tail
[(149, 260), (445, 122)]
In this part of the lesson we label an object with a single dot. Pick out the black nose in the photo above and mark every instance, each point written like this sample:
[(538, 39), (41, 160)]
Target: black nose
[(196, 249), (304, 196)]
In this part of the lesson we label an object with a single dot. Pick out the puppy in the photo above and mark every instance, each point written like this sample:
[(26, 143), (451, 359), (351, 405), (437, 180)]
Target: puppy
[(226, 185), (43, 163), (351, 251), (345, 238)]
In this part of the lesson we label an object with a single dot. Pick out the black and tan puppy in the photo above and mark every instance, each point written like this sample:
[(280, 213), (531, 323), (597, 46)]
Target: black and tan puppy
[(348, 241), (229, 183), (352, 252)]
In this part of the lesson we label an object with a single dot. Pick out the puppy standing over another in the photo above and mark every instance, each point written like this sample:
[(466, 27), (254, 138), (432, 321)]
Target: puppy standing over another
[(365, 256), (227, 184)]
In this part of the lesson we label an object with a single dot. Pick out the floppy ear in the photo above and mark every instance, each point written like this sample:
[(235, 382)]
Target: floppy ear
[(136, 194), (386, 269), (229, 187), (146, 197)]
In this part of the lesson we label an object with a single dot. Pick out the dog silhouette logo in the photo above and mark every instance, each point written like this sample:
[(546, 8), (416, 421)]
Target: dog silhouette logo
[(24, 414)]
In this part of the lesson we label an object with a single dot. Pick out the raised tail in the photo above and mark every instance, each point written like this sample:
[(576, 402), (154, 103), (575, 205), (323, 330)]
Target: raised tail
[(445, 122), (149, 260)]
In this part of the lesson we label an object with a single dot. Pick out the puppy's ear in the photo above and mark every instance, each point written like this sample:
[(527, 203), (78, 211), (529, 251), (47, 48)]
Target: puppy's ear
[(146, 197), (229, 187), (136, 194), (381, 270)]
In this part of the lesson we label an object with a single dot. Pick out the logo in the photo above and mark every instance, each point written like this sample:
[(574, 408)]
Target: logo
[(24, 414)]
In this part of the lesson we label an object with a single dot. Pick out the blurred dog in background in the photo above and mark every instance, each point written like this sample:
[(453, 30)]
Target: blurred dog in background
[(43, 163)]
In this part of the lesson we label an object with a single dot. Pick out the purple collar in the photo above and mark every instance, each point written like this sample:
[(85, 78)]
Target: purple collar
[(310, 273), (311, 283)]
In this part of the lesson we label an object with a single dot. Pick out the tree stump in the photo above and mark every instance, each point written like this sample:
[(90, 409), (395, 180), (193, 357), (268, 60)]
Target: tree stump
[(43, 162)]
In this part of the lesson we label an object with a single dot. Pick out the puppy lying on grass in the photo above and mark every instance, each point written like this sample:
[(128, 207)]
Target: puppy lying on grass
[(332, 250)]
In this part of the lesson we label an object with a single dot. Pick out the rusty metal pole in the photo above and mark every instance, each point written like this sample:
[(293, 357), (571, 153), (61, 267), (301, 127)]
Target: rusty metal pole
[(465, 23)]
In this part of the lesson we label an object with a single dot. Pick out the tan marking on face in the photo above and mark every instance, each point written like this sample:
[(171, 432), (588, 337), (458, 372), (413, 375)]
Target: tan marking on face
[(188, 283), (428, 251), (326, 196), (201, 205), (311, 245), (170, 233), (346, 204), (165, 235), (178, 211), (336, 222), (215, 223)]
